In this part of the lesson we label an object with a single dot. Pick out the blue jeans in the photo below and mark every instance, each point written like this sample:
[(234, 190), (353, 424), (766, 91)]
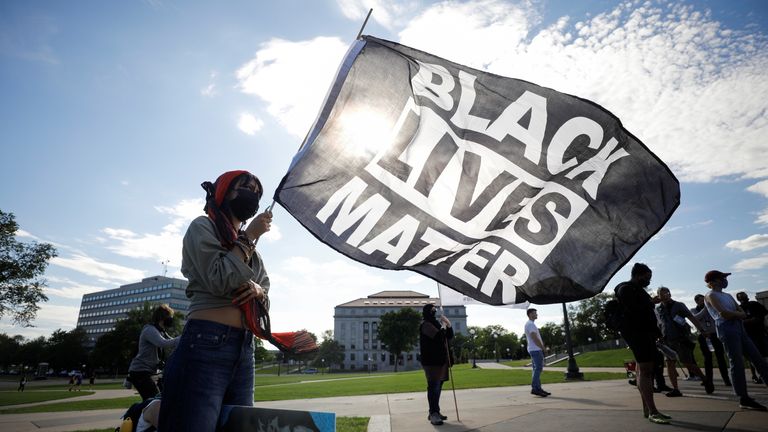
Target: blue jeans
[(434, 388), (537, 357), (212, 366), (737, 344)]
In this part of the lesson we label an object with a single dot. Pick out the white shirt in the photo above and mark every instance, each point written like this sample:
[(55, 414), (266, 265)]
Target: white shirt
[(530, 330)]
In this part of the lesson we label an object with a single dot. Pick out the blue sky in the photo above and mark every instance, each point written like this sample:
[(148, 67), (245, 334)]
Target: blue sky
[(113, 113)]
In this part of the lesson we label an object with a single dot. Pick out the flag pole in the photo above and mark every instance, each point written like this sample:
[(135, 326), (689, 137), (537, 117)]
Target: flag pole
[(448, 358), (359, 35)]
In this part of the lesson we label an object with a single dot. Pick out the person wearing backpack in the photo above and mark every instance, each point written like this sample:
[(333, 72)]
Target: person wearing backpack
[(671, 316), (638, 328)]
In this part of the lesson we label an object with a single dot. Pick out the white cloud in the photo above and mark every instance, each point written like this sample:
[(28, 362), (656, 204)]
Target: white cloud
[(755, 263), (210, 89), (49, 318), (752, 242), (417, 279), (102, 270), (670, 229), (693, 91), (762, 189), (386, 13), (274, 234), (65, 288), (22, 233), (162, 246), (249, 124), (280, 75)]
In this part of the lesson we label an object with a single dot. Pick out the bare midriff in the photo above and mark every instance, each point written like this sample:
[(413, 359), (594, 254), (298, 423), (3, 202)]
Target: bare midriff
[(227, 315)]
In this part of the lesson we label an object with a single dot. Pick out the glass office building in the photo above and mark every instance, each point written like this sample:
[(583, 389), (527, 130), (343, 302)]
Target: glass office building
[(101, 310)]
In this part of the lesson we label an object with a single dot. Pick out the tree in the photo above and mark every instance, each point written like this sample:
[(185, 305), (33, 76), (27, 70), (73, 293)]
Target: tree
[(330, 351), (10, 346), (552, 334), (399, 331), (21, 266), (66, 350), (588, 321)]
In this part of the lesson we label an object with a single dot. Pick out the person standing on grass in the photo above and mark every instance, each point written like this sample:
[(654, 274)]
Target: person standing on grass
[(536, 350), (435, 357), (639, 330), (728, 318), (708, 338), (22, 383)]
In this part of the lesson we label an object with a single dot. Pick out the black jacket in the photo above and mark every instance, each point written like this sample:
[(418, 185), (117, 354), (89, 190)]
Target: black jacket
[(433, 343)]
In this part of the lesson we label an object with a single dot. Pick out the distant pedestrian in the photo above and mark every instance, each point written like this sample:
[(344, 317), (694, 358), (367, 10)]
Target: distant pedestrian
[(22, 383), (71, 382), (91, 380), (754, 325), (708, 342), (639, 330), (536, 350), (671, 316), (78, 380), (728, 315), (435, 357)]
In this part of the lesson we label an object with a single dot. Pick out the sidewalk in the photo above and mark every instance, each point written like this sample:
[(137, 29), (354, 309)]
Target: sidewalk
[(573, 406)]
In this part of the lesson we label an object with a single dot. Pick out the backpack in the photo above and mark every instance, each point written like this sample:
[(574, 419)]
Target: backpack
[(613, 314), (133, 414)]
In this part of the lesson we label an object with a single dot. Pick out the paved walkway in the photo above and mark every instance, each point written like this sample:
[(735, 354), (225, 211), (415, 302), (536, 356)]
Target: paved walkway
[(573, 406)]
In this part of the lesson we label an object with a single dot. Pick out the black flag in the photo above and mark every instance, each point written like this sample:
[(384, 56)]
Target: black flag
[(498, 188)]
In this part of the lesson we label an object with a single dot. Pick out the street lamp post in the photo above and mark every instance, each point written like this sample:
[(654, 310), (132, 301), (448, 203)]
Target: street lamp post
[(508, 355), (496, 346), (323, 366), (573, 368)]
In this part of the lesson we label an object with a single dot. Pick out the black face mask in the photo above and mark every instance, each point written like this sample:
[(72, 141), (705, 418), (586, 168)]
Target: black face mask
[(245, 205), (168, 322)]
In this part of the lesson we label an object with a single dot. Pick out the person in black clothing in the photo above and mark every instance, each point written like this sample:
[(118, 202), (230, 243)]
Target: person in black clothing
[(435, 357), (639, 330), (755, 328)]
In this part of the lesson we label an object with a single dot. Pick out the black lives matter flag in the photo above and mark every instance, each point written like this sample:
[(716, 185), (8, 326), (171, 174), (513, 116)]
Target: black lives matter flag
[(498, 188)]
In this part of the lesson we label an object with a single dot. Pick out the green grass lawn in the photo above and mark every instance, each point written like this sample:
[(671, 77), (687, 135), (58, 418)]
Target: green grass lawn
[(274, 388), (29, 396)]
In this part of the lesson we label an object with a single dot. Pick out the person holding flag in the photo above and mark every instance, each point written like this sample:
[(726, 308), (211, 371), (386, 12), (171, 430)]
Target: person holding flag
[(435, 357), (213, 364)]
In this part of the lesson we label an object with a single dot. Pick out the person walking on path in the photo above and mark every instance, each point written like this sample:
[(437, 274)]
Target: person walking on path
[(91, 380), (754, 325), (671, 316), (536, 350), (435, 357), (708, 342), (152, 341), (22, 383), (639, 330), (728, 316)]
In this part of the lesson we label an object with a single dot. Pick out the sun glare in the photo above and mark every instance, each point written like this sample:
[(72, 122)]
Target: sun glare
[(365, 132)]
